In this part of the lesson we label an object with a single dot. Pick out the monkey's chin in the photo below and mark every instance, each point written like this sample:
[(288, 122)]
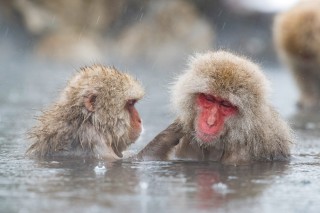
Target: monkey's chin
[(134, 137), (205, 138)]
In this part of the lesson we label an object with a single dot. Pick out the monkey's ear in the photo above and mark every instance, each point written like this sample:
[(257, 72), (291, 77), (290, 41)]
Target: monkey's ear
[(89, 102)]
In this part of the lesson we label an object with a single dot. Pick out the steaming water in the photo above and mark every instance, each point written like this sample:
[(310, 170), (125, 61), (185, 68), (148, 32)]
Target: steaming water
[(175, 186)]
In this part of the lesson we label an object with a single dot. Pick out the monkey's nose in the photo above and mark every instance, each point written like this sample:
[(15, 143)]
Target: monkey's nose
[(211, 120), (139, 120)]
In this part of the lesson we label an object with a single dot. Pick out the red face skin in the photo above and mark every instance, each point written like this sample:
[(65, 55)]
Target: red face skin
[(213, 111), (135, 121)]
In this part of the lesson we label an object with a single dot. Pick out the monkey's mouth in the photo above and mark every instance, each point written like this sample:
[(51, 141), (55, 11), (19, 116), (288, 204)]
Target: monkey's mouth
[(206, 133), (204, 137)]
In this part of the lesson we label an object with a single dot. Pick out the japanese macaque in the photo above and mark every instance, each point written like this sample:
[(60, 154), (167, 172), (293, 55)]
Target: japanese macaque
[(95, 116), (297, 39), (224, 115)]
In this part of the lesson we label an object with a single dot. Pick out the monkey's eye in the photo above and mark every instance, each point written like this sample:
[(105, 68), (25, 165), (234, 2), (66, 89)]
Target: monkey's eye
[(226, 104), (131, 102), (209, 97)]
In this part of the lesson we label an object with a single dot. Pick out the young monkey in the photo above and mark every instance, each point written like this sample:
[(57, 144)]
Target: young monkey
[(223, 115), (94, 117), (297, 39)]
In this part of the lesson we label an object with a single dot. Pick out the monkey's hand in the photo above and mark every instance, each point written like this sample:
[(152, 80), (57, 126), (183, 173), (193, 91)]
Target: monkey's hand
[(160, 147)]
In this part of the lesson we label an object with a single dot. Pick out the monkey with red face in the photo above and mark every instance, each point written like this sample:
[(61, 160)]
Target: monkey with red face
[(94, 117), (223, 115)]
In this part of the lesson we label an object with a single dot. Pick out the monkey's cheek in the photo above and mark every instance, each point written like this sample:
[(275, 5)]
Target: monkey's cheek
[(135, 134)]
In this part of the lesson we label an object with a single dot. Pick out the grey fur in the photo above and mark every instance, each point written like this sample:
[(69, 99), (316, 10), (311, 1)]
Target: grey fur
[(256, 133)]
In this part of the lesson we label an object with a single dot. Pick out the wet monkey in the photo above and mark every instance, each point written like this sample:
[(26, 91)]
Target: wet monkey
[(297, 40), (222, 115), (95, 116)]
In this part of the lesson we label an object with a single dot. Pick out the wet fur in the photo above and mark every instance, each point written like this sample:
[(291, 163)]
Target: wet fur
[(256, 133), (67, 128)]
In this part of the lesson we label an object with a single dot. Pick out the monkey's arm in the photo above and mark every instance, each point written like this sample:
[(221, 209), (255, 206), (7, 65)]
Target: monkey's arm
[(160, 147)]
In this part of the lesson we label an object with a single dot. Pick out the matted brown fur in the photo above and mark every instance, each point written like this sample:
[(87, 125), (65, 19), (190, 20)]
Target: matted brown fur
[(67, 128), (256, 133), (297, 39)]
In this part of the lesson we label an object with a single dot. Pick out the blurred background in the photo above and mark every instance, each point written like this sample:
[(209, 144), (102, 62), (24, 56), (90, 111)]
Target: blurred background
[(137, 31)]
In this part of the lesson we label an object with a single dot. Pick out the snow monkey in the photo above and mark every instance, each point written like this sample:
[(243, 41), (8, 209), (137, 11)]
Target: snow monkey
[(297, 39), (223, 114), (95, 116)]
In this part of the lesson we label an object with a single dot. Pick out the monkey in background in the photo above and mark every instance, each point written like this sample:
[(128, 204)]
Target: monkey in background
[(95, 116), (297, 40), (222, 115)]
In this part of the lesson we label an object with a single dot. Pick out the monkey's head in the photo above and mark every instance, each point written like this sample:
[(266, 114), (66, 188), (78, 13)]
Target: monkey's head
[(297, 31), (105, 98), (219, 91)]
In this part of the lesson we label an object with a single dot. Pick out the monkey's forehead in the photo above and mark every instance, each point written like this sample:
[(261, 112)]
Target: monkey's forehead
[(135, 91), (225, 72), (102, 73), (125, 88)]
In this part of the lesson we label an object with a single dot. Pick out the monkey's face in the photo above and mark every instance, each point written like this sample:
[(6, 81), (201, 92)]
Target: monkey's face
[(212, 112), (135, 120)]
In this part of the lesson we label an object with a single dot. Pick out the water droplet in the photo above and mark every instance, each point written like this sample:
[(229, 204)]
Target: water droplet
[(221, 188), (100, 169), (143, 185), (223, 26), (310, 125), (305, 182), (141, 17), (98, 19)]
